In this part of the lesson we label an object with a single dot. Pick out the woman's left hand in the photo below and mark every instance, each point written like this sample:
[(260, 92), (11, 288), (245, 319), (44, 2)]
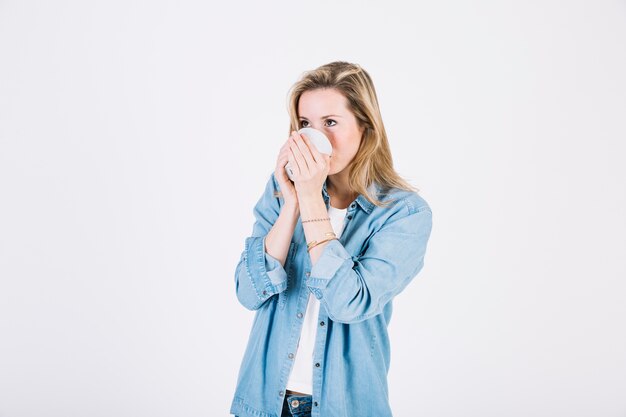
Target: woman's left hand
[(310, 167)]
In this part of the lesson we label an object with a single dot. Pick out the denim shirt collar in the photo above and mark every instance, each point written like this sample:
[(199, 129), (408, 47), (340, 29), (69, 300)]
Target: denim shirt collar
[(367, 206)]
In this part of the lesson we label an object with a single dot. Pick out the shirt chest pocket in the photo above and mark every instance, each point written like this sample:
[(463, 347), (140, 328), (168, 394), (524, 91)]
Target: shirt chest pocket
[(289, 269)]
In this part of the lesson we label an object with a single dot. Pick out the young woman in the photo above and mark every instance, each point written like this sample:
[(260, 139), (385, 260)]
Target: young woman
[(327, 254)]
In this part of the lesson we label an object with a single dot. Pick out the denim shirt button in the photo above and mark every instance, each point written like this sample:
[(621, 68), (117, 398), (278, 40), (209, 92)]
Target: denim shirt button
[(264, 292), (281, 393), (315, 403), (290, 356), (350, 217), (317, 364), (322, 323), (295, 403), (352, 205), (308, 274), (299, 315)]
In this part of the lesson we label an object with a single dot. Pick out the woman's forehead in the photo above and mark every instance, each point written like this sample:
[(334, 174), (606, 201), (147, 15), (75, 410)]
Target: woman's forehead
[(322, 103)]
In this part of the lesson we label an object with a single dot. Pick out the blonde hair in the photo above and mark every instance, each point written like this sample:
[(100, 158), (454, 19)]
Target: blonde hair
[(372, 162)]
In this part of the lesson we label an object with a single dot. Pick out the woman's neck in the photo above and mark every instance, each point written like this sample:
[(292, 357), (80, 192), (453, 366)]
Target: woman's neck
[(339, 196)]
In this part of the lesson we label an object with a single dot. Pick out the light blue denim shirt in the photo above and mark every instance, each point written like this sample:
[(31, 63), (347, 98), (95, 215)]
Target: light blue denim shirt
[(355, 279)]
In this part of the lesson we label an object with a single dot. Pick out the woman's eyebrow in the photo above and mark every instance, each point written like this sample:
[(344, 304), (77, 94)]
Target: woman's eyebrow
[(323, 117)]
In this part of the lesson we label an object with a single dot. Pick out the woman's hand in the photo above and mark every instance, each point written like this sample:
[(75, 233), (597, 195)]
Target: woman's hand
[(310, 167), (286, 186)]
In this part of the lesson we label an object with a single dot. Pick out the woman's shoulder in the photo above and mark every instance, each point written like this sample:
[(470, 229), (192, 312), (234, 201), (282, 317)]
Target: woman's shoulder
[(403, 210), (401, 199)]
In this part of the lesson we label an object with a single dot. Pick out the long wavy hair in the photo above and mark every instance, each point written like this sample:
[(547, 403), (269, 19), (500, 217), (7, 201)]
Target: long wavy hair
[(372, 162)]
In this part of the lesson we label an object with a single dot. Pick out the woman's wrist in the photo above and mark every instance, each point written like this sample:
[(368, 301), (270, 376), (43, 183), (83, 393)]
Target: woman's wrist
[(291, 209), (314, 217), (312, 206)]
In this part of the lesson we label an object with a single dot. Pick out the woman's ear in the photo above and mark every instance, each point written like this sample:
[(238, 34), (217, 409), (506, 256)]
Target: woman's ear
[(364, 128)]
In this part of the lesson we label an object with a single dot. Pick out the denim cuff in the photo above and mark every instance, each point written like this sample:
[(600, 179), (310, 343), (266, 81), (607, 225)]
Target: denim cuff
[(266, 273), (334, 257), (274, 269)]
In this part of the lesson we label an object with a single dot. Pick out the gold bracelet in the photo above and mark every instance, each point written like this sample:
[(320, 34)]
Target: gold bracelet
[(314, 244), (329, 236), (316, 220)]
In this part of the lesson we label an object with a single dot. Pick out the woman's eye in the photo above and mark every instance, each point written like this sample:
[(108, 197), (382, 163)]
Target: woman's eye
[(330, 122)]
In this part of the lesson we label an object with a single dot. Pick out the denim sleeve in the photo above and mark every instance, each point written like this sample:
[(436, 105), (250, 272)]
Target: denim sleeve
[(258, 275), (354, 289)]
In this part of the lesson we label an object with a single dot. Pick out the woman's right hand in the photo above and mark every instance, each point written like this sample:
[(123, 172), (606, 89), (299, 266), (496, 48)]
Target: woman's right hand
[(286, 185)]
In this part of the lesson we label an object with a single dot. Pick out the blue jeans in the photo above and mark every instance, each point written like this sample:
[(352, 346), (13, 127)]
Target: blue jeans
[(297, 406)]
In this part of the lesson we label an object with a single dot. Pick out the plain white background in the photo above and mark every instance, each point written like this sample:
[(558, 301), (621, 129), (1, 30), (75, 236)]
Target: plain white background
[(136, 137)]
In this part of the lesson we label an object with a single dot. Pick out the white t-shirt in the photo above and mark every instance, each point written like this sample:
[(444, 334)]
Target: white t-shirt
[(301, 377)]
